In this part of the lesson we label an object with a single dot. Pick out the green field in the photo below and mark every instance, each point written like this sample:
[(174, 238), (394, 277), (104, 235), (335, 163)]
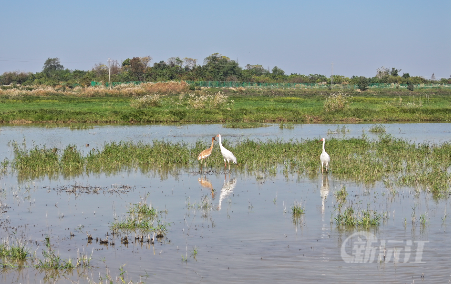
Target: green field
[(225, 106)]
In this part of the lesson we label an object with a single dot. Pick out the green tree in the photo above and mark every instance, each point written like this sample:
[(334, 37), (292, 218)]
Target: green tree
[(220, 68), (362, 83), (14, 78), (137, 69), (394, 72), (126, 62), (277, 73), (52, 65)]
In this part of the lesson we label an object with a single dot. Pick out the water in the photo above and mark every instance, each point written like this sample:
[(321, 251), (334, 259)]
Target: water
[(244, 234)]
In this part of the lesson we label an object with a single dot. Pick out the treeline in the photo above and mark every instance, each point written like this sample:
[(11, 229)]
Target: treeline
[(215, 67)]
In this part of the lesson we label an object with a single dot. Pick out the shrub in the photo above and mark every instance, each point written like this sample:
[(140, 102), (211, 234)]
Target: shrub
[(336, 102), (362, 83), (210, 101), (146, 101)]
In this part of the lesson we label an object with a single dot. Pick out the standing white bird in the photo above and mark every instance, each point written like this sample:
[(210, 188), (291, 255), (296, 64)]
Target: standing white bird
[(228, 156), (325, 158)]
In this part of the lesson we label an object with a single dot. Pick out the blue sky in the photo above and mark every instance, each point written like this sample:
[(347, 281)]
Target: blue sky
[(303, 37)]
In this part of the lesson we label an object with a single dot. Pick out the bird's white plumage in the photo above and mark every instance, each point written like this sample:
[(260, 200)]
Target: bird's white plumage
[(228, 156), (324, 158)]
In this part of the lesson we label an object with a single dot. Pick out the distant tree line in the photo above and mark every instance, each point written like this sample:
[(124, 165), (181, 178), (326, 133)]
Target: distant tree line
[(216, 67)]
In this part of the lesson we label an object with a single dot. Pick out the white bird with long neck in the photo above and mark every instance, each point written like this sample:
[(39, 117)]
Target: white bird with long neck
[(324, 158), (228, 156)]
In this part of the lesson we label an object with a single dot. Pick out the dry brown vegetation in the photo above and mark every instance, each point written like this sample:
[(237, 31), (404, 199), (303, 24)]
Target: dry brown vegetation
[(126, 90)]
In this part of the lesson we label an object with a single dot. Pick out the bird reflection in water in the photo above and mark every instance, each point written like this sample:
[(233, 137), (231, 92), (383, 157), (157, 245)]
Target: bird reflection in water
[(227, 188), (205, 183), (324, 191)]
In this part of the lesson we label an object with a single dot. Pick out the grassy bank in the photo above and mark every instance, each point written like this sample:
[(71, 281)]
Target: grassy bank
[(168, 104), (395, 162)]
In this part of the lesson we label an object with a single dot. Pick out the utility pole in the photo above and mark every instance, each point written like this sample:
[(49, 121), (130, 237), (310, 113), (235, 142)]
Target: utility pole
[(109, 72), (332, 74)]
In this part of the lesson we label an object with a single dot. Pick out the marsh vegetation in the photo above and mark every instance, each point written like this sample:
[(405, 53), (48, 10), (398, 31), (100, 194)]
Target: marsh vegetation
[(175, 102), (358, 159), (142, 210)]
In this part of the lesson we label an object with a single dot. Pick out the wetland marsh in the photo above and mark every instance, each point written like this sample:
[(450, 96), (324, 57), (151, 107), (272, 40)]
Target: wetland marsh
[(129, 203)]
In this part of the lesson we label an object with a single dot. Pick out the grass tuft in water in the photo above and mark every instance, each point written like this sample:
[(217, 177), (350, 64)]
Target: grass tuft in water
[(297, 209), (286, 125), (341, 196), (377, 128), (352, 218), (141, 217), (17, 251), (54, 261)]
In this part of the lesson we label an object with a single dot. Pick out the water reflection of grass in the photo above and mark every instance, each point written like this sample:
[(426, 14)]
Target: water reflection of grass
[(358, 159), (244, 125)]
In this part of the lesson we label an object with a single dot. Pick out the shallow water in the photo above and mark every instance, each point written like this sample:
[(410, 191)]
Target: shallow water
[(246, 234)]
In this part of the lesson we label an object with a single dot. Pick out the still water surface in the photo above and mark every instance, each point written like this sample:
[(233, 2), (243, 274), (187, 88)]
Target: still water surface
[(246, 234)]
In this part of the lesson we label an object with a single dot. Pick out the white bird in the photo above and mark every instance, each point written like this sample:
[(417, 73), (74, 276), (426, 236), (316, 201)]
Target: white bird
[(228, 156), (325, 158)]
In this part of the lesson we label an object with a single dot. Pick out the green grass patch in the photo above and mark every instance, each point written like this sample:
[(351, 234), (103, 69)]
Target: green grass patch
[(378, 128), (16, 251), (141, 217), (214, 106), (357, 159), (297, 210), (352, 218)]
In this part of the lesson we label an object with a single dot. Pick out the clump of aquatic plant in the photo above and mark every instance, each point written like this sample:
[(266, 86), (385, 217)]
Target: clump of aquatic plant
[(341, 195), (377, 128), (54, 261), (352, 218), (297, 209), (194, 252), (16, 251), (342, 130), (423, 219), (143, 208), (141, 217), (336, 102), (286, 125), (36, 159)]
